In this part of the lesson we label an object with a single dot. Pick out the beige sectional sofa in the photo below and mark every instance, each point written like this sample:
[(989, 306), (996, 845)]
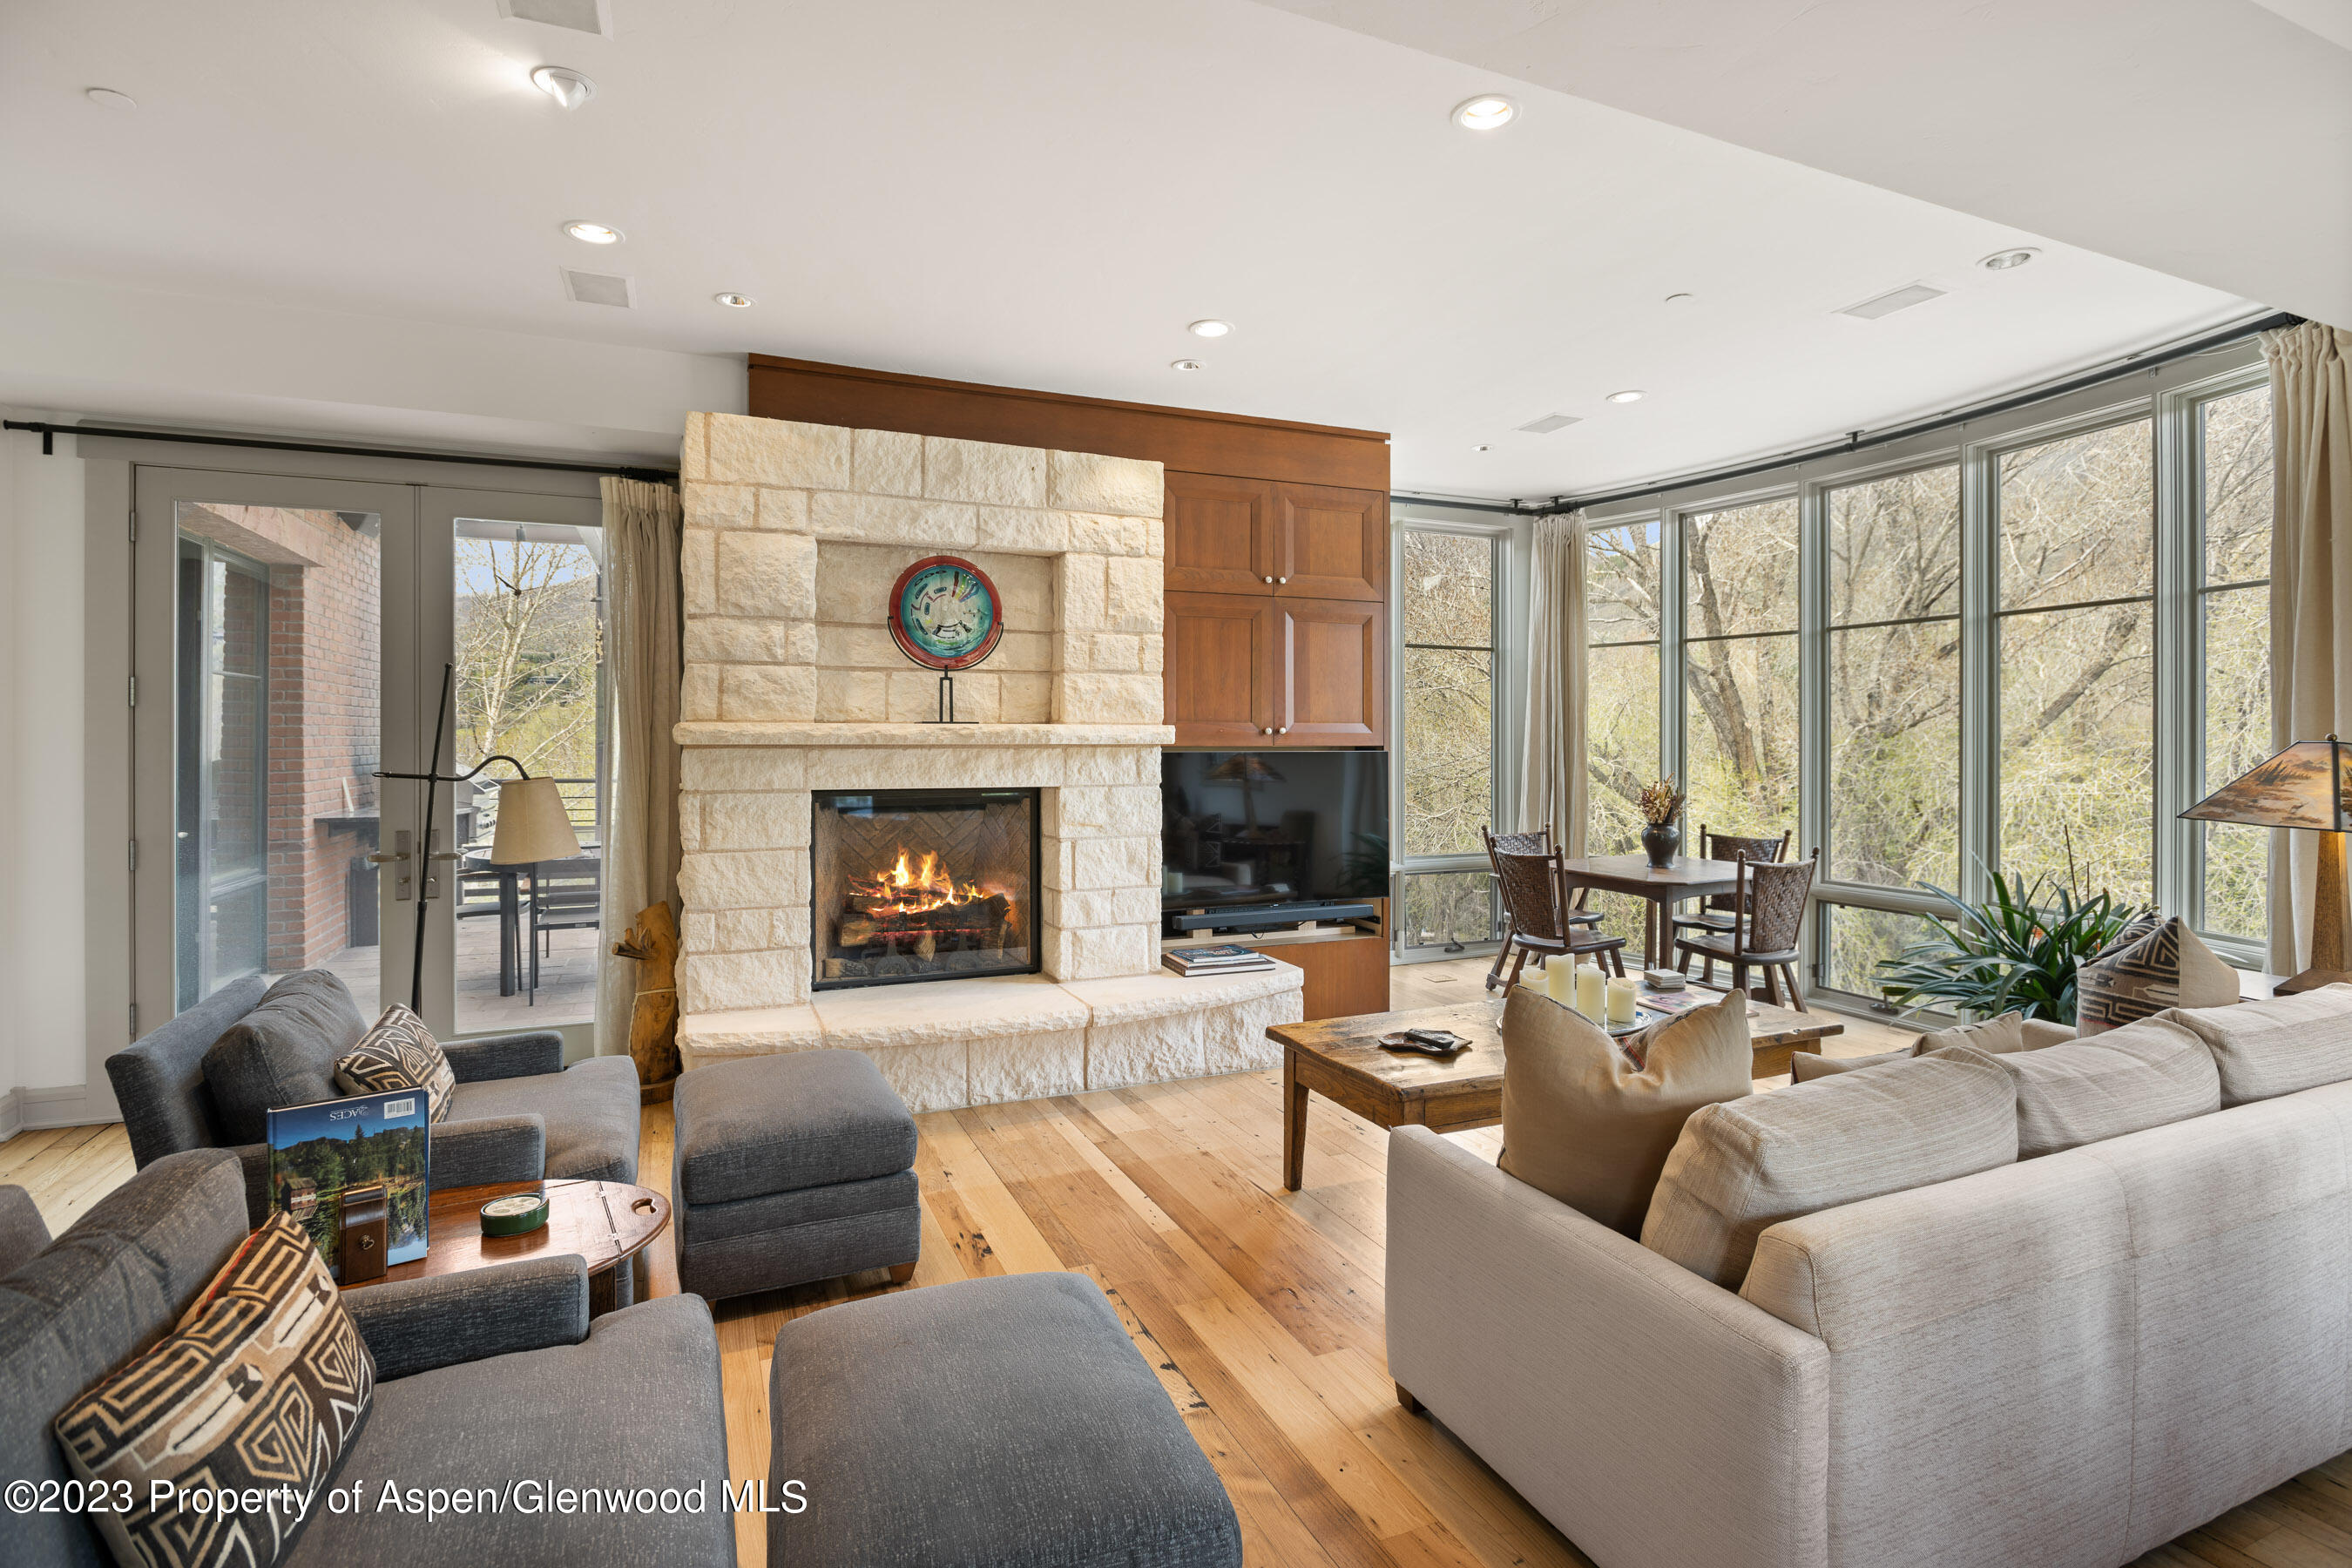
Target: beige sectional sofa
[(2062, 1360)]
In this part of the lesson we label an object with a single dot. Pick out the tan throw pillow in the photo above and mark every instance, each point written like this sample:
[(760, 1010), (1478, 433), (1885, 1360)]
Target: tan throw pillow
[(1740, 1169), (1804, 1066), (1995, 1036), (2167, 966), (2264, 1049), (1581, 1122), (399, 1053), (264, 1385), (2084, 1092)]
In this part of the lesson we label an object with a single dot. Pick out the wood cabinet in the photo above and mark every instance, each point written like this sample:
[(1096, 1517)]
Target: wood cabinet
[(1276, 613), (1246, 669)]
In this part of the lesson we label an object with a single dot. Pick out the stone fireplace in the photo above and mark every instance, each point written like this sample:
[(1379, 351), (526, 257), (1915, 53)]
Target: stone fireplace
[(810, 764)]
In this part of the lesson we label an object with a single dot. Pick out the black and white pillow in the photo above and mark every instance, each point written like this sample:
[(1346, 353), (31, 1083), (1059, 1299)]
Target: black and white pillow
[(399, 1052), (261, 1388), (2157, 962)]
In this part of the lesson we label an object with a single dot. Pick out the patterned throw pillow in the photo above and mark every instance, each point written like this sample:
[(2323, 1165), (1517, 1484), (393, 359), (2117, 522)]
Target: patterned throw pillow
[(264, 1385), (400, 1052), (2155, 964)]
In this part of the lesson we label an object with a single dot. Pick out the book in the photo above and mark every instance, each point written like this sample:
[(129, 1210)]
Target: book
[(1222, 958), (317, 1151)]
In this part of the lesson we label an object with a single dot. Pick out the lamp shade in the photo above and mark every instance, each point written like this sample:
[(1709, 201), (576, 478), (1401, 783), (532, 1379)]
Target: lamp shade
[(2303, 786), (532, 823)]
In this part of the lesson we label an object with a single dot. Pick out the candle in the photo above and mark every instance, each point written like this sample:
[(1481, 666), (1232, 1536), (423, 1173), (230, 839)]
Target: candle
[(1590, 994), (1559, 981), (1620, 1000)]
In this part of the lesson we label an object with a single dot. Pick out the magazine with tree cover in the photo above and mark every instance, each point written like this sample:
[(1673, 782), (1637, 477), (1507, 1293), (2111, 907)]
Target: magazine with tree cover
[(318, 1151)]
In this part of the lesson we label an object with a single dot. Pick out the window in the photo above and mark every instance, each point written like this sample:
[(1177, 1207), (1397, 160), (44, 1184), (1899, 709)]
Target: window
[(2024, 645), (2233, 485), (1739, 668), (1450, 719), (2077, 551)]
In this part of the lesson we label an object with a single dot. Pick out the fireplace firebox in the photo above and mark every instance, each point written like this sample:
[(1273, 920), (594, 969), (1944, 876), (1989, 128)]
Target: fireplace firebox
[(923, 884)]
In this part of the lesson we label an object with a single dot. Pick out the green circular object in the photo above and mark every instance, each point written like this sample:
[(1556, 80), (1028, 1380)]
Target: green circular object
[(944, 613), (518, 1213)]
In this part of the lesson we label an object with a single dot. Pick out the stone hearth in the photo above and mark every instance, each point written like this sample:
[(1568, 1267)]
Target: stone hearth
[(795, 535)]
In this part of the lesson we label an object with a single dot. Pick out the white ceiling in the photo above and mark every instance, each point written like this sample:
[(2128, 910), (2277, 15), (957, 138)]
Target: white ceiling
[(1037, 193)]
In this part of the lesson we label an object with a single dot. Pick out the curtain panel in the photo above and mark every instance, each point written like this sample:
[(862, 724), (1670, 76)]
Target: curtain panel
[(643, 527), (1551, 767), (2311, 587)]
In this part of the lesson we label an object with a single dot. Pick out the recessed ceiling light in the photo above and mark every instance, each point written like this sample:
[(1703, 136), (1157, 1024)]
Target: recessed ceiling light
[(580, 230), (734, 302), (1482, 447), (564, 85), (2003, 260), (1185, 365), (1631, 394), (107, 97), (1210, 327), (1488, 111)]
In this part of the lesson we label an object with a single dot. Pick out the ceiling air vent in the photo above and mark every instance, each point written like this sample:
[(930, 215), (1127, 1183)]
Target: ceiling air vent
[(577, 16), (1548, 424), (1887, 304), (597, 288)]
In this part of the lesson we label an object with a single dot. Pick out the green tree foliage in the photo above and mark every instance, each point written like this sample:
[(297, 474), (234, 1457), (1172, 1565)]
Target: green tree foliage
[(530, 639)]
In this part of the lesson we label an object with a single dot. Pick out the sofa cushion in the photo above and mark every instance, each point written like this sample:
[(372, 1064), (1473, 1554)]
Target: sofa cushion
[(282, 1053), (634, 1406), (2084, 1092), (2279, 1046), (1746, 1165), (1804, 1066), (262, 1384), (773, 1124), (590, 1110), (2165, 966), (1581, 1122), (1041, 1437), (398, 1052)]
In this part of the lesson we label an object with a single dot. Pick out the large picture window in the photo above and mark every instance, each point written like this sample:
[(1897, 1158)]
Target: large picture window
[(1448, 591), (2021, 645)]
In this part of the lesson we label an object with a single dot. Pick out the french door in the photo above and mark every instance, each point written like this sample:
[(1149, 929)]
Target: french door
[(290, 637)]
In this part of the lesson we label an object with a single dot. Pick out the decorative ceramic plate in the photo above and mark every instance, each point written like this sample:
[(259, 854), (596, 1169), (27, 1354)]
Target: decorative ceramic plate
[(944, 613)]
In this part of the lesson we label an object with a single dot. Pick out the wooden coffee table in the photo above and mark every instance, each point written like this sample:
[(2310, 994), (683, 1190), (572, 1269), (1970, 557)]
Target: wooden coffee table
[(1341, 1059), (607, 1223)]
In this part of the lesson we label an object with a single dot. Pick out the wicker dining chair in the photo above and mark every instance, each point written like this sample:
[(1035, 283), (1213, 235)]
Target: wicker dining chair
[(1768, 933), (1536, 843), (1720, 912), (1533, 900)]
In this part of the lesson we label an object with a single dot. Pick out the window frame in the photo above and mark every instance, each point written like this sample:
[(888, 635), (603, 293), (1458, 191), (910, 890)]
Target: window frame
[(2170, 397), (1512, 540)]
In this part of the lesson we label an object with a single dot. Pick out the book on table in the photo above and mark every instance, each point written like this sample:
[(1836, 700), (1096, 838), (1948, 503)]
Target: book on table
[(318, 1151), (1222, 958)]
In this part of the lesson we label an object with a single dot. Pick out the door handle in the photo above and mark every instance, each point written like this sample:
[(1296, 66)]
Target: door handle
[(401, 884)]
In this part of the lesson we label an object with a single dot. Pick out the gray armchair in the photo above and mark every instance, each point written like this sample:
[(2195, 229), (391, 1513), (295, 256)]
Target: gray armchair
[(484, 1377), (517, 1114)]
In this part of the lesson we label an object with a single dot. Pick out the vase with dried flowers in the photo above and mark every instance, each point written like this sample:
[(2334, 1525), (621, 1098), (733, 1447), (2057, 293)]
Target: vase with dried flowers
[(1661, 803)]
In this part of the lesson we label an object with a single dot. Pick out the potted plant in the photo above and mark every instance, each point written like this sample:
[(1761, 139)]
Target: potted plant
[(2017, 950), (1660, 804)]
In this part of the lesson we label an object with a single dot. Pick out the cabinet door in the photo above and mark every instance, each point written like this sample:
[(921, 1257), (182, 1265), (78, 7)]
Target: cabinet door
[(1219, 535), (1220, 664), (1330, 544), (1334, 653)]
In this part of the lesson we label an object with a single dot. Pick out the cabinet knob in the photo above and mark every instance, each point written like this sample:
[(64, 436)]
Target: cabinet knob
[(1282, 579), (1283, 731), (1269, 579)]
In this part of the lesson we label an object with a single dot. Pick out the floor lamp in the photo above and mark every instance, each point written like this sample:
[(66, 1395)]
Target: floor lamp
[(532, 827), (2303, 786)]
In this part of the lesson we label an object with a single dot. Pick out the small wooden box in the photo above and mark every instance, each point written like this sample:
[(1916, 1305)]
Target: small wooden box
[(365, 1237)]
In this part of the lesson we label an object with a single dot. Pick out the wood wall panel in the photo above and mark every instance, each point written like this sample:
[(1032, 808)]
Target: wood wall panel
[(1194, 440)]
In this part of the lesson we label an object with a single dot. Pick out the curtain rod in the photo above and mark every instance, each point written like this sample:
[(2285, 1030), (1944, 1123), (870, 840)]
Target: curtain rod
[(1859, 442), (481, 461), (1509, 508)]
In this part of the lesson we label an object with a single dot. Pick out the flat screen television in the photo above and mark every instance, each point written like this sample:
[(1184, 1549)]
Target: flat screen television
[(1257, 839)]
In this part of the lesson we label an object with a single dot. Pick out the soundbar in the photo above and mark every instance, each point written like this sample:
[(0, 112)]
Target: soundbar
[(1266, 916)]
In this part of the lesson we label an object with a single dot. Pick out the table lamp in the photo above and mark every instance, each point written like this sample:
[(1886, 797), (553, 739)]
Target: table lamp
[(2303, 786), (532, 826), (1248, 770)]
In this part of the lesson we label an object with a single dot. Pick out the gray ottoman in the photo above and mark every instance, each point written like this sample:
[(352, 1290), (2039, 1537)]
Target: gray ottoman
[(1007, 1421), (789, 1168)]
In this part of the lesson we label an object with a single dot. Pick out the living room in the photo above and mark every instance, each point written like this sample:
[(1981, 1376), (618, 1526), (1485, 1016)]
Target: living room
[(1222, 782)]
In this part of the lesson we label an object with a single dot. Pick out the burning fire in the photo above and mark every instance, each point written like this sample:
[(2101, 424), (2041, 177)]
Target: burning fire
[(929, 885)]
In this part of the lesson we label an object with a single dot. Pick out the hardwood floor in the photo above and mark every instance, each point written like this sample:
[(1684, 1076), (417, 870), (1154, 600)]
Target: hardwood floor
[(1261, 1309)]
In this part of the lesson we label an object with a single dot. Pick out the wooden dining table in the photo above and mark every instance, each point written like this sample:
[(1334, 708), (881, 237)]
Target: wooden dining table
[(1661, 889)]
